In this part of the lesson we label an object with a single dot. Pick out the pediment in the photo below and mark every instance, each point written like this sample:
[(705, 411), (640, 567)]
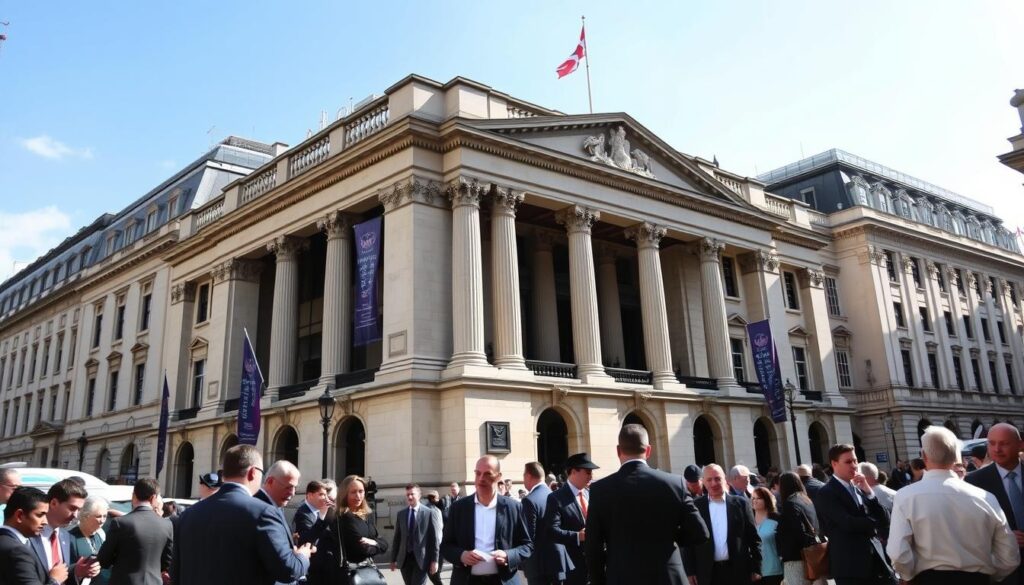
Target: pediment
[(198, 343), (92, 363), (114, 356), (736, 319), (841, 331), (798, 331), (139, 349)]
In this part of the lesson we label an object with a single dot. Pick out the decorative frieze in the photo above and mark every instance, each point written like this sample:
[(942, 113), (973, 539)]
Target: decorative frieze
[(506, 201), (465, 191)]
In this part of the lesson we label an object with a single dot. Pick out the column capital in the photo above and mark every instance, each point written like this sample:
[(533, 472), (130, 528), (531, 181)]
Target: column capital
[(932, 267), (184, 291), (578, 219), (286, 248), (759, 261), (466, 191), (970, 278), (411, 190), (336, 225), (951, 275), (876, 255), (506, 201), (237, 269), (710, 250), (646, 235), (908, 264), (811, 277)]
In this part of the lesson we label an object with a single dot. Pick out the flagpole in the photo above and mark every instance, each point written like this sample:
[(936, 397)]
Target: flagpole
[(586, 54)]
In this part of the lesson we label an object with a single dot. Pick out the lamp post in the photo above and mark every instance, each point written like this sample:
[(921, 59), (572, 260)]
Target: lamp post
[(888, 425), (82, 443), (790, 390), (326, 403)]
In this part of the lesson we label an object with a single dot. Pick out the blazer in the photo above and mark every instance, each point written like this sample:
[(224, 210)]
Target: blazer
[(989, 479), (510, 535), (792, 535), (563, 520), (812, 485), (638, 520), (425, 544), (138, 547), (233, 538), (18, 565), (84, 547), (64, 537), (742, 540), (549, 560), (302, 523), (854, 551)]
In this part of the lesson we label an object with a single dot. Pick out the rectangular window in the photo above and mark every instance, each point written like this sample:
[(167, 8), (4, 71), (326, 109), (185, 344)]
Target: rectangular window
[(112, 395), (53, 405), (890, 266), (926, 323), (198, 372), (832, 296), (908, 367), (792, 296), (98, 329), (984, 330), (147, 299), (992, 374), (3, 422), (14, 419), (737, 359), (915, 271), (202, 303), (67, 399), (843, 369), (808, 197), (1013, 294), (933, 369), (960, 283), (119, 324), (1009, 377), (993, 284), (21, 366), (897, 311), (90, 399), (40, 402), (958, 370), (940, 276), (950, 327), (28, 412), (800, 363), (32, 368), (967, 327), (1002, 332), (729, 277), (151, 221), (46, 359), (976, 370), (977, 285), (140, 378)]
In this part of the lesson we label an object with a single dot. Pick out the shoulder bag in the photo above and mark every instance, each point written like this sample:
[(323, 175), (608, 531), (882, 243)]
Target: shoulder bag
[(815, 555), (364, 573)]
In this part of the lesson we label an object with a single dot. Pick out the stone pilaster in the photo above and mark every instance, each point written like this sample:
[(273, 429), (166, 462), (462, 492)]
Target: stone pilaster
[(610, 309), (545, 303), (508, 328), (467, 274), (284, 322), (716, 328), (820, 343), (652, 301), (337, 319), (234, 310)]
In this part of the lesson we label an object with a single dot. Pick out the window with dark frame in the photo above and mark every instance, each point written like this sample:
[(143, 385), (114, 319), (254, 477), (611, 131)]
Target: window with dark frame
[(843, 368), (832, 297), (800, 363), (98, 329), (933, 369), (958, 371), (908, 367), (792, 296), (976, 370), (140, 378), (985, 333), (897, 310), (915, 271), (940, 277), (950, 327), (926, 323), (1009, 377), (729, 277), (992, 373), (960, 283), (90, 401), (198, 374), (1002, 332), (738, 360), (119, 324), (890, 266), (967, 327), (147, 300), (112, 395), (203, 303), (977, 285)]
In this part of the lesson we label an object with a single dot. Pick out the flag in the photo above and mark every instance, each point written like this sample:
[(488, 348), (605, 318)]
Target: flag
[(161, 436), (249, 396), (766, 364), (573, 61)]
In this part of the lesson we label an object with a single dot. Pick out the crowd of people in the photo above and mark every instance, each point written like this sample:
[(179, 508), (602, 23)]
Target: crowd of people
[(930, 522)]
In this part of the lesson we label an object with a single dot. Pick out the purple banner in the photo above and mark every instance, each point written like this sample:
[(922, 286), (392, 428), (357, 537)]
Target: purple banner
[(161, 435), (766, 364), (249, 396), (366, 326)]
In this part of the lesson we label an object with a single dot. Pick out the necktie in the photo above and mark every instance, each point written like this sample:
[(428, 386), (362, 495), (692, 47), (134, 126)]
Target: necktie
[(853, 494), (1016, 499), (583, 504), (55, 548), (412, 523)]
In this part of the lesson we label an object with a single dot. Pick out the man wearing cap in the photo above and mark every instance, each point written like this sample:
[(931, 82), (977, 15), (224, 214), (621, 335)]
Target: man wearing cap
[(694, 481), (566, 517), (209, 483)]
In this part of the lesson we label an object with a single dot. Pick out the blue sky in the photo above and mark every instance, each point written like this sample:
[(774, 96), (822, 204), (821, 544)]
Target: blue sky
[(101, 101)]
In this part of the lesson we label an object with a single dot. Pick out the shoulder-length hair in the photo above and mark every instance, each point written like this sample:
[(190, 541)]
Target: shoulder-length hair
[(769, 499), (346, 484)]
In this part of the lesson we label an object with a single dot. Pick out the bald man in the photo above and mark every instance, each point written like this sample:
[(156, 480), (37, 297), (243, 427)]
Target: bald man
[(1003, 480)]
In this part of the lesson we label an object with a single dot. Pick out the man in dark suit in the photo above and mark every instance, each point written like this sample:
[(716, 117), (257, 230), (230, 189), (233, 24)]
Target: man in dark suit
[(739, 481), (138, 544), (1003, 480), (24, 518), (417, 541), (53, 544), (549, 561), (488, 552), (279, 485), (639, 518), (852, 518), (231, 538), (732, 554), (811, 484), (311, 510), (566, 516), (449, 499)]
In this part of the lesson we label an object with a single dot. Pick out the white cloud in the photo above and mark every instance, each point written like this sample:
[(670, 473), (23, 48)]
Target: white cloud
[(27, 235), (47, 147)]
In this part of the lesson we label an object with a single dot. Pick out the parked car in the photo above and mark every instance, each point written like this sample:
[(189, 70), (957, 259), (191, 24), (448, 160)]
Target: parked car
[(119, 496)]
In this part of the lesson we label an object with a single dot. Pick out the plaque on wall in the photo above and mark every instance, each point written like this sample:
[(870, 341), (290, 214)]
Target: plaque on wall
[(498, 439)]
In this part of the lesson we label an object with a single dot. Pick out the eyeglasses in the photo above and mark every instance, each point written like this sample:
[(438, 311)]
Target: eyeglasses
[(10, 486), (259, 469)]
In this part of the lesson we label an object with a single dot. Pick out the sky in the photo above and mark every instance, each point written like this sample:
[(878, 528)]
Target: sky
[(102, 101)]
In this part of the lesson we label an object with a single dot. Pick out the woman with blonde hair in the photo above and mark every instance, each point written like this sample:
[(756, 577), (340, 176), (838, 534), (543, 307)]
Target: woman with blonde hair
[(347, 534)]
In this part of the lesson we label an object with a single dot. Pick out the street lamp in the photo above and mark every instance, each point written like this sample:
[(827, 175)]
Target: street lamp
[(790, 390), (326, 403), (82, 442)]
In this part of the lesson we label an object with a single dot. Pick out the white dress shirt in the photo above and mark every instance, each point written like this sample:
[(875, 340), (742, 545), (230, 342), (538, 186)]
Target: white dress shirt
[(945, 523), (719, 513), (486, 517), (45, 536)]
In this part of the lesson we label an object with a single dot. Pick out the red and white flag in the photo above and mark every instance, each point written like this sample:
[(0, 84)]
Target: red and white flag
[(573, 61)]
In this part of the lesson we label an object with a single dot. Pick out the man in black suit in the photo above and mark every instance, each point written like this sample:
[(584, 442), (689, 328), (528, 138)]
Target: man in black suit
[(491, 551), (279, 485), (566, 516), (639, 519), (811, 483), (1003, 480), (852, 518), (24, 518), (138, 544), (231, 538), (417, 540), (732, 554), (311, 510), (449, 499), (549, 561), (53, 544)]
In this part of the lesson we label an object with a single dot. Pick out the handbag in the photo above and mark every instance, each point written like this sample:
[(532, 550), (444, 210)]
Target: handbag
[(364, 573), (815, 555)]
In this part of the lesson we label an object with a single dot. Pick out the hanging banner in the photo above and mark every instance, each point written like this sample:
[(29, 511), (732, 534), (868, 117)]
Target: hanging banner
[(766, 364), (249, 396), (366, 326), (161, 435)]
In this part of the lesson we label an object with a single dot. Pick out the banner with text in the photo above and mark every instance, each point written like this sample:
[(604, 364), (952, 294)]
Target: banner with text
[(366, 324), (766, 364), (161, 434), (249, 396)]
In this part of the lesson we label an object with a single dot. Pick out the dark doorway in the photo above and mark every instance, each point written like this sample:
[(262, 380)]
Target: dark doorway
[(703, 442), (183, 471), (921, 426), (229, 442), (350, 449), (286, 446), (858, 448), (818, 443), (762, 446), (552, 441)]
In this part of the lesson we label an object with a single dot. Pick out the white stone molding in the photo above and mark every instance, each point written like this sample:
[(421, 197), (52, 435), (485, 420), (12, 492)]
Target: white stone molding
[(811, 277), (237, 269), (759, 261), (466, 191), (336, 224), (411, 190), (578, 219), (184, 291), (616, 152)]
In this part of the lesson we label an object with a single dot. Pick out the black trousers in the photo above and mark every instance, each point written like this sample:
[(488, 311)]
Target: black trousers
[(412, 574)]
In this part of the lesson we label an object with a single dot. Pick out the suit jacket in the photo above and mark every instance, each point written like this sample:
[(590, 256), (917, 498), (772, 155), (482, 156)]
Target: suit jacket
[(138, 546), (305, 518), (425, 542), (510, 535), (812, 485), (564, 520), (18, 565), (989, 479), (233, 538), (549, 559), (854, 551), (446, 502), (37, 543), (742, 540), (638, 520)]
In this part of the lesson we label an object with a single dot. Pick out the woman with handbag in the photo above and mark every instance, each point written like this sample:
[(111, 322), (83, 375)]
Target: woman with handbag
[(767, 522), (347, 540), (798, 527)]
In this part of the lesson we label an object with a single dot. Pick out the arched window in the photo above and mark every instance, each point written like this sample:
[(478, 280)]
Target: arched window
[(552, 441), (286, 445), (183, 463), (704, 441), (820, 443)]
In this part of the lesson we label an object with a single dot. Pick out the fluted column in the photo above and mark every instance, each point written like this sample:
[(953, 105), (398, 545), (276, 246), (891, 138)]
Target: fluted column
[(612, 344), (284, 321), (586, 330), (716, 328), (337, 321), (467, 275), (652, 301), (508, 325), (545, 344)]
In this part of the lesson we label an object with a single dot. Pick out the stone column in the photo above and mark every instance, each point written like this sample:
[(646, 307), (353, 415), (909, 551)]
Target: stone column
[(716, 329), (610, 309), (508, 325), (284, 322), (820, 344), (467, 275), (337, 320), (1010, 327), (234, 310), (943, 349), (652, 302), (545, 303), (586, 329), (958, 323), (974, 301)]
